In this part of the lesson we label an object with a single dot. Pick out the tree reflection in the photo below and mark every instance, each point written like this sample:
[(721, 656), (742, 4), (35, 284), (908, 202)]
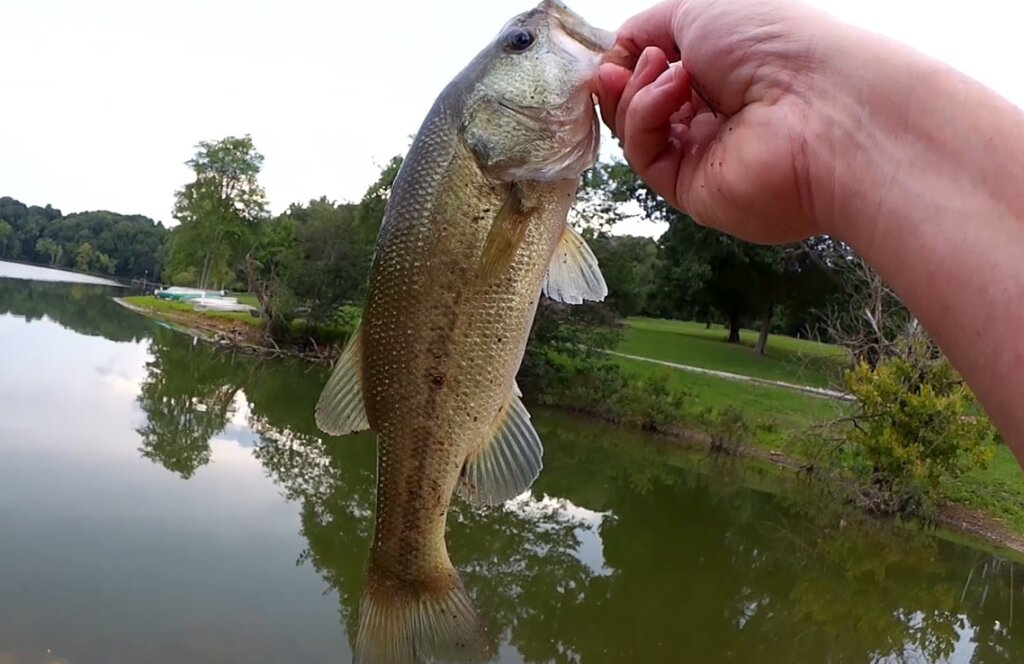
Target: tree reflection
[(83, 308), (188, 397), (626, 549)]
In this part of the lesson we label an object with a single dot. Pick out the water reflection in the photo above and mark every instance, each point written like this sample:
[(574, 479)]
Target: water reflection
[(625, 550), (83, 308)]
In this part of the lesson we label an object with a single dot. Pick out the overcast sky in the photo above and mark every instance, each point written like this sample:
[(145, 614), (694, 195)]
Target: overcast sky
[(102, 101)]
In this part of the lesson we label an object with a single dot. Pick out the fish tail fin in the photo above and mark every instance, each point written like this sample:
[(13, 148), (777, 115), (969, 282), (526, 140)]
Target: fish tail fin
[(401, 627)]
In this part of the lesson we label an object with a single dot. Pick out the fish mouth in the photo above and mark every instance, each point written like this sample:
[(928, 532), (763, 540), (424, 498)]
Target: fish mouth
[(575, 26)]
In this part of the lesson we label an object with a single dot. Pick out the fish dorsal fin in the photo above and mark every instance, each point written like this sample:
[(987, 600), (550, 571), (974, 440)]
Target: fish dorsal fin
[(505, 465), (573, 274), (340, 409), (506, 234)]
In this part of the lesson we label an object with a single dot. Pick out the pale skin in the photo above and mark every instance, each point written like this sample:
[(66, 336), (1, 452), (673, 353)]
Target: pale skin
[(823, 128)]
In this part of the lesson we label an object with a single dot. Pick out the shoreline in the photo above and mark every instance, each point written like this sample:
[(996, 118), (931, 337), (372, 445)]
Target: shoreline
[(246, 338)]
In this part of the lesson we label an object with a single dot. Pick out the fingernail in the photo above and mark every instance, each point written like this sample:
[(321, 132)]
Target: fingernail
[(668, 77), (641, 63)]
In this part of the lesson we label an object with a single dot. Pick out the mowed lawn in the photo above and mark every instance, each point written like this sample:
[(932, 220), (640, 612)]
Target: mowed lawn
[(776, 414), (788, 359)]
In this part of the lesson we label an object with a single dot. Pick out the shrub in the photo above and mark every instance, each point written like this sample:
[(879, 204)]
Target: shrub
[(915, 424)]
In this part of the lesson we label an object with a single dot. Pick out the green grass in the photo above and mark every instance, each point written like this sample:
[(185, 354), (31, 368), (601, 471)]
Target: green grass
[(787, 359), (998, 489), (156, 304), (247, 298), (776, 414)]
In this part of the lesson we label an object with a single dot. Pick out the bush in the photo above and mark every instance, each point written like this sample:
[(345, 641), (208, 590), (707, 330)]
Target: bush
[(915, 425), (565, 366), (726, 427)]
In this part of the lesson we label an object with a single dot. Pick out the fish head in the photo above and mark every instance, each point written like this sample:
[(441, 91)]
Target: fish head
[(529, 112)]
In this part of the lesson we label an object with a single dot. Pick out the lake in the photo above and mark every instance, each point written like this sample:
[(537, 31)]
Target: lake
[(162, 501)]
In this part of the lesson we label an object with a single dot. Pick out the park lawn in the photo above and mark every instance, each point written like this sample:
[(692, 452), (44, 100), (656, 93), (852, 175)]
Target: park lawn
[(998, 489), (156, 304), (788, 359), (777, 415), (325, 334), (247, 298)]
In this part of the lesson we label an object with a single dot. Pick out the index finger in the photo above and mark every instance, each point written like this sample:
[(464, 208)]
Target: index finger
[(650, 28)]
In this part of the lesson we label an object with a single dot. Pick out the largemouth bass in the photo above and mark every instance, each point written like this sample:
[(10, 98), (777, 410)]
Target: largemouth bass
[(474, 232)]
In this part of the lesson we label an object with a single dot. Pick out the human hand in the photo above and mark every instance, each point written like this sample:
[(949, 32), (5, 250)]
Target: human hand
[(727, 132)]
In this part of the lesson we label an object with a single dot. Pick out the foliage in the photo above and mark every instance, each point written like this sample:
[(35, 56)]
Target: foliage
[(915, 426), (703, 273), (565, 366), (726, 427), (630, 266), (218, 212), (129, 246), (311, 263)]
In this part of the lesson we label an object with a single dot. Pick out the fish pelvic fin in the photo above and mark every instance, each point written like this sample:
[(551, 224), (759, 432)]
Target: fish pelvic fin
[(341, 409), (506, 234), (573, 274), (507, 463), (410, 627)]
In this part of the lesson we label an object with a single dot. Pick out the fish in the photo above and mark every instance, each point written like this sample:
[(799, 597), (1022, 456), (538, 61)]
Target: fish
[(474, 232)]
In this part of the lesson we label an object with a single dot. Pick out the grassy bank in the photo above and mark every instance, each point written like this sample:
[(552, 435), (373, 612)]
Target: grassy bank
[(775, 419), (787, 359), (244, 327), (778, 416)]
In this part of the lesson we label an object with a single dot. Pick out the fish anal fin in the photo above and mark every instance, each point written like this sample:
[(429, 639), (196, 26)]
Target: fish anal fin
[(401, 626), (506, 234), (506, 464), (340, 409), (573, 274)]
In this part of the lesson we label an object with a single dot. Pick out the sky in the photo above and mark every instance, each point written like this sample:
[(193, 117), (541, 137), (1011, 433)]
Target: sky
[(103, 101)]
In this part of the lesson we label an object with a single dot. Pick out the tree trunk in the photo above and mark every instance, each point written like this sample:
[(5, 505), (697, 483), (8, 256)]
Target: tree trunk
[(734, 327), (766, 324)]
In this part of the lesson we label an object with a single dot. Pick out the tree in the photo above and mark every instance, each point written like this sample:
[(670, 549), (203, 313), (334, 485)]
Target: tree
[(47, 247), (703, 271), (84, 257), (6, 238), (219, 210), (630, 266), (123, 245)]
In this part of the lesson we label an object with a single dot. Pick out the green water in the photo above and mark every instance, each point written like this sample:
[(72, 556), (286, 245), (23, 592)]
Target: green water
[(162, 502)]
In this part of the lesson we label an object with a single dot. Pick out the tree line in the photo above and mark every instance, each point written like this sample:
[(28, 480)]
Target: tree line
[(311, 261), (129, 246)]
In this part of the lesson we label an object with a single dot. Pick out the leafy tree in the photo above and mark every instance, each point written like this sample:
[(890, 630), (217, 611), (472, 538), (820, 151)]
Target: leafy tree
[(122, 245), (314, 259), (630, 266), (6, 238), (84, 257), (218, 211), (50, 249), (703, 271)]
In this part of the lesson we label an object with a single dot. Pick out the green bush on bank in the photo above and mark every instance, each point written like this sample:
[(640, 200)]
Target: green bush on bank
[(915, 426)]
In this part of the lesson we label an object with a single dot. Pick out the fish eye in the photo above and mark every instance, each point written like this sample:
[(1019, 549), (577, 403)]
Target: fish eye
[(518, 39)]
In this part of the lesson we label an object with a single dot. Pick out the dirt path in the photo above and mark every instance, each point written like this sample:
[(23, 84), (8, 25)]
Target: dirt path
[(807, 389)]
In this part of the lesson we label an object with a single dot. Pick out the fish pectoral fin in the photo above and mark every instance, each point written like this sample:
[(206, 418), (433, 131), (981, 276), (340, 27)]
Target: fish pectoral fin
[(573, 274), (506, 464), (506, 234), (341, 409)]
